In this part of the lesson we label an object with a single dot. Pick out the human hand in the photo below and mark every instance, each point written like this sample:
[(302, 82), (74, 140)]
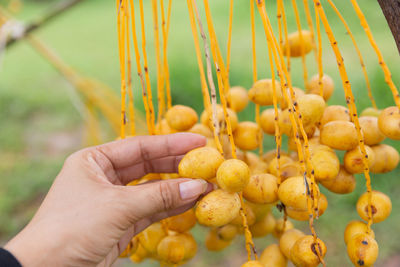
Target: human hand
[(88, 217)]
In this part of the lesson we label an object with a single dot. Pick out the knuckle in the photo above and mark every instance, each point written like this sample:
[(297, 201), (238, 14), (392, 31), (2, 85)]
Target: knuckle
[(167, 195)]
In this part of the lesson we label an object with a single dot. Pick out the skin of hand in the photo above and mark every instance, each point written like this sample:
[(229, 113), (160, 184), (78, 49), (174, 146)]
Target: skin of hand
[(88, 217)]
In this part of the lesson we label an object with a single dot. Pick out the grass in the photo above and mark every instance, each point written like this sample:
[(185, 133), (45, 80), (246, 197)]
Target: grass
[(40, 126)]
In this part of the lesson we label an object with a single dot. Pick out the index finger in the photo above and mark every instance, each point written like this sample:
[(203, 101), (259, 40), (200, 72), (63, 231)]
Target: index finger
[(134, 150)]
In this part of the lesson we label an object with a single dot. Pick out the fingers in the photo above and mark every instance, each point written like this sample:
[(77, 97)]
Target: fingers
[(136, 150), (155, 201), (167, 164)]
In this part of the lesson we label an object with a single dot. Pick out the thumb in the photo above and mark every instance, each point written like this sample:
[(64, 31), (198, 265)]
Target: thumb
[(150, 199)]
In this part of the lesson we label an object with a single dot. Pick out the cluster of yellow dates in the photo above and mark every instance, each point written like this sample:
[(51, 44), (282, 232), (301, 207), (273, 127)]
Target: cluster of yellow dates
[(329, 129)]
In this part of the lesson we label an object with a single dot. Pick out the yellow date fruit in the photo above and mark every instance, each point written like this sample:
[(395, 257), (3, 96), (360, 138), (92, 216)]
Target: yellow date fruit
[(181, 118), (372, 134), (354, 228), (386, 158), (200, 163), (381, 206), (261, 189), (237, 98), (288, 239), (327, 86), (297, 46), (389, 122), (344, 183), (362, 250), (335, 113), (304, 252), (353, 160), (217, 208), (292, 192), (341, 135), (233, 175), (247, 135), (273, 256), (262, 92)]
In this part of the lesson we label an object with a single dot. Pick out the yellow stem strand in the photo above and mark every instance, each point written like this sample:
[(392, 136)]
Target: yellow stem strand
[(131, 105), (228, 54), (303, 55), (350, 102), (145, 96), (386, 71), (358, 53), (146, 70)]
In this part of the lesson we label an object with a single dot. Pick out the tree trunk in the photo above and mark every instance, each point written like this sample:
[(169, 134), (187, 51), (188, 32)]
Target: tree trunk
[(391, 10)]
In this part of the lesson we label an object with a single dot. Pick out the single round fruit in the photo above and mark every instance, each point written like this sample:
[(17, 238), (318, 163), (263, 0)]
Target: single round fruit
[(261, 189), (267, 121), (292, 192), (301, 215), (335, 113), (233, 175), (264, 226), (247, 135), (190, 245), (386, 158), (200, 163), (341, 135), (371, 112), (381, 206), (181, 118), (217, 208), (389, 122), (227, 232), (372, 134), (181, 223), (163, 127), (214, 243), (151, 237), (272, 256), (344, 183), (298, 46), (304, 252), (289, 170), (362, 250), (262, 92), (171, 250), (327, 86), (354, 228), (311, 108), (237, 98), (288, 239), (201, 129), (353, 159), (326, 165), (281, 227)]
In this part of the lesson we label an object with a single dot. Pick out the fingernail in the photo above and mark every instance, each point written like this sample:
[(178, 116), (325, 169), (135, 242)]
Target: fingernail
[(192, 188)]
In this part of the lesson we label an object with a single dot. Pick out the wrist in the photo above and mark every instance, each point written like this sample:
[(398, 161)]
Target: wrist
[(36, 246)]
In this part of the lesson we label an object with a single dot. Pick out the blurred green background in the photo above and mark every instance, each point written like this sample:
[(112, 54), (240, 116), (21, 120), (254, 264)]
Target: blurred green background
[(40, 126)]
